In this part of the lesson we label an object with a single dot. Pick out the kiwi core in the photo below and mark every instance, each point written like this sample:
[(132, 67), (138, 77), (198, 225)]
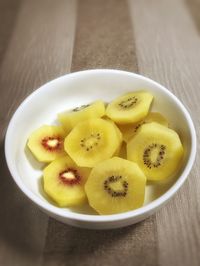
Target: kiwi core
[(115, 186), (52, 143), (153, 155), (128, 103), (90, 142), (69, 177)]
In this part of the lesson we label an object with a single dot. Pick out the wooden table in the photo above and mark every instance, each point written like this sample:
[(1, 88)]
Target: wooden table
[(41, 40)]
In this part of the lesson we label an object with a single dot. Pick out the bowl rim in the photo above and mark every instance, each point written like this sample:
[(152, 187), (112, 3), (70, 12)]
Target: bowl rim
[(149, 208)]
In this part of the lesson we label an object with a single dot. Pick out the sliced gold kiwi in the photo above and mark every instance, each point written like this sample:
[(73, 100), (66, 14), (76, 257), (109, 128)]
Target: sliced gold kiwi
[(70, 119), (92, 141), (157, 150), (119, 136), (115, 185), (129, 108), (129, 130), (64, 182), (46, 143)]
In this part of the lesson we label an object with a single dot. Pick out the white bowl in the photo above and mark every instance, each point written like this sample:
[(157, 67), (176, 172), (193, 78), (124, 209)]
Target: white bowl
[(80, 88)]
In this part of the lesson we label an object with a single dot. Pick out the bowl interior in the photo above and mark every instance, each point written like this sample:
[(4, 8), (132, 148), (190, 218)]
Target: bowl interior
[(77, 89)]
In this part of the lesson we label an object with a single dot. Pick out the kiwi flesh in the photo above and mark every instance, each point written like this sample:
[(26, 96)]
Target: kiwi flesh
[(157, 150), (46, 143), (129, 130), (129, 108), (115, 185), (71, 118), (92, 141), (64, 182)]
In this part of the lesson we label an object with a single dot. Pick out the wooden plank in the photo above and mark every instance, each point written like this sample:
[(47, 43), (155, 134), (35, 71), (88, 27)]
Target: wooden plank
[(37, 46), (8, 11), (168, 50), (130, 246), (43, 40), (104, 38), (194, 8)]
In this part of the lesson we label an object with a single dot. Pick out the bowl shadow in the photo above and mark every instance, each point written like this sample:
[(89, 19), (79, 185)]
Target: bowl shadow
[(19, 216), (34, 163), (121, 246)]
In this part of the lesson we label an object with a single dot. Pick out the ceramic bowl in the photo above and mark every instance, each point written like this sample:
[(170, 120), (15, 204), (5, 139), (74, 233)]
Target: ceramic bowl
[(80, 88)]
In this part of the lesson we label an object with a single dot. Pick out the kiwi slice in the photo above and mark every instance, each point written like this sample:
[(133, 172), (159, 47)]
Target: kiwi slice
[(157, 150), (119, 136), (129, 130), (46, 143), (70, 119), (129, 108), (92, 141), (64, 182), (115, 185)]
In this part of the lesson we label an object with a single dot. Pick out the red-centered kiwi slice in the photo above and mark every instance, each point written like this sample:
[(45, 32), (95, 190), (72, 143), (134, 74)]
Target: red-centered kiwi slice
[(157, 150), (64, 182), (115, 185), (129, 130), (92, 141), (71, 118), (46, 143), (129, 108)]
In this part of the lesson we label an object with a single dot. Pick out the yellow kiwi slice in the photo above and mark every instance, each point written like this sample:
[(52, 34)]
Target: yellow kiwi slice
[(64, 182), (129, 130), (120, 139), (71, 118), (115, 185), (157, 150), (119, 136), (129, 108), (92, 141), (46, 143)]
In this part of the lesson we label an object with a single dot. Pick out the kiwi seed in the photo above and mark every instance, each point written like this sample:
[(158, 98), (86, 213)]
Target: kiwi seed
[(80, 108), (138, 126), (112, 192), (90, 142), (147, 155), (130, 102)]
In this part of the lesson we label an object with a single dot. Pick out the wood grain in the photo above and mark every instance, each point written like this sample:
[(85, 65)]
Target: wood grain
[(8, 10), (104, 36), (131, 246), (168, 50), (194, 8), (38, 35)]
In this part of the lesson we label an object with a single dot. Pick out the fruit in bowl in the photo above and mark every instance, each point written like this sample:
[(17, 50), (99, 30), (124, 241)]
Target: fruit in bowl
[(82, 88), (83, 149)]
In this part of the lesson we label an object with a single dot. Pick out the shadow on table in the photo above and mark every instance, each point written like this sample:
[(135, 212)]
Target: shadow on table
[(69, 246), (8, 13), (20, 226), (194, 7)]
